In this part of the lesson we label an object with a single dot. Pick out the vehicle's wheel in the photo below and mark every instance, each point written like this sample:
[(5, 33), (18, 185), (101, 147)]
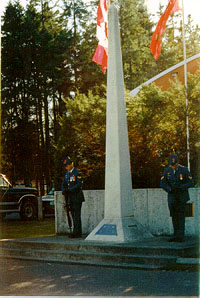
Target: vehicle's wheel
[(28, 211)]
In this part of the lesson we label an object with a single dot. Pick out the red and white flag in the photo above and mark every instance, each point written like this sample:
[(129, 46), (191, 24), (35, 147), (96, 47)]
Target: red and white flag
[(101, 55), (155, 45)]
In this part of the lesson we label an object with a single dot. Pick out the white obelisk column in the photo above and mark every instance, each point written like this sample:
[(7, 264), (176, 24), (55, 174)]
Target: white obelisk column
[(118, 224)]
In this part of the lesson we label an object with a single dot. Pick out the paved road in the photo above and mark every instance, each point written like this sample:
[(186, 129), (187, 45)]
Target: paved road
[(50, 279)]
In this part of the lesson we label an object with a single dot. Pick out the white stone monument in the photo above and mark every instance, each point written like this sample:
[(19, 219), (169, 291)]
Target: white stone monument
[(119, 224)]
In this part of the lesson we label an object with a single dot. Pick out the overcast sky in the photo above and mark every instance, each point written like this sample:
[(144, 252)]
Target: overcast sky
[(190, 7)]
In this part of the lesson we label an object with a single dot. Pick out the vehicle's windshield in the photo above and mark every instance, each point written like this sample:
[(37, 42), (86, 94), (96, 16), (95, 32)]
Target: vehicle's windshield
[(4, 181)]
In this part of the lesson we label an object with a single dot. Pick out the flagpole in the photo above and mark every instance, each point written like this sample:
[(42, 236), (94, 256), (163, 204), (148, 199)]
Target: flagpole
[(0, 101), (186, 94)]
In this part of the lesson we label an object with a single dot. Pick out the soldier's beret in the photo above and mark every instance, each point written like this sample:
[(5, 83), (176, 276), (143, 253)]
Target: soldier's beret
[(67, 161), (173, 159)]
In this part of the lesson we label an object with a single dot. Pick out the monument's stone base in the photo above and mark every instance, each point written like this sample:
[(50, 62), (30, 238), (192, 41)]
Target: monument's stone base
[(125, 229), (150, 210)]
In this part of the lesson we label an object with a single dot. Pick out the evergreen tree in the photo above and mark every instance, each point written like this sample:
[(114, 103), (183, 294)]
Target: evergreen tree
[(53, 95), (83, 138), (17, 102), (136, 29), (33, 71)]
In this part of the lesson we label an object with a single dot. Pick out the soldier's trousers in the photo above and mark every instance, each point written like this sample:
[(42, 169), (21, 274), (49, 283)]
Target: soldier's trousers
[(76, 215), (177, 212)]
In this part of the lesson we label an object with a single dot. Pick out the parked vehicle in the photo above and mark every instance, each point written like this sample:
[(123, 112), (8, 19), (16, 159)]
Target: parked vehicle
[(48, 203), (22, 200)]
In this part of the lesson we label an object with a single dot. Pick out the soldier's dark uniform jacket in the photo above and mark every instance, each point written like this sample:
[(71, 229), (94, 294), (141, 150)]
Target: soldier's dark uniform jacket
[(176, 180), (176, 183), (71, 189), (72, 184)]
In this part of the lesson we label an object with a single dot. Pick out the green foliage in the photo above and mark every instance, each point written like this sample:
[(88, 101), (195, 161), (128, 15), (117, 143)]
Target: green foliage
[(172, 42), (33, 70), (47, 56), (194, 122), (156, 124), (82, 137), (135, 40)]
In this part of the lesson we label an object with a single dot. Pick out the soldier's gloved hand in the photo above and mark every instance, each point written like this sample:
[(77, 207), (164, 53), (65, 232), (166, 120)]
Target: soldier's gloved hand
[(65, 192), (173, 188), (181, 186), (178, 186)]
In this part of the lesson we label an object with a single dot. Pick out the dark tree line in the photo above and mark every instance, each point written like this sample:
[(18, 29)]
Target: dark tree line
[(156, 125), (46, 66)]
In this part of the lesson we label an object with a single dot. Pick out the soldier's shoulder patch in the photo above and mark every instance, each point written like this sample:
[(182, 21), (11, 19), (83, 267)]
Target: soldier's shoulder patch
[(162, 177), (79, 177), (190, 177)]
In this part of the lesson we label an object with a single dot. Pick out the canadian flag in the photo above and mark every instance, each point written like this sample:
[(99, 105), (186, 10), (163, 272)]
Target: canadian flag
[(101, 54), (155, 45)]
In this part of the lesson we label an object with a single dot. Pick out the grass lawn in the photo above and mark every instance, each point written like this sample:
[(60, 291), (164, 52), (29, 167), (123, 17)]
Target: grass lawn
[(16, 228)]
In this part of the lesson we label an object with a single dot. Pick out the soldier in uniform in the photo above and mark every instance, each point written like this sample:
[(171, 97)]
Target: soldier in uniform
[(72, 190), (176, 180)]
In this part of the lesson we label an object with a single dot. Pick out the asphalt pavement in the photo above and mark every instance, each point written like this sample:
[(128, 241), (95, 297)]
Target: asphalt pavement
[(27, 278)]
